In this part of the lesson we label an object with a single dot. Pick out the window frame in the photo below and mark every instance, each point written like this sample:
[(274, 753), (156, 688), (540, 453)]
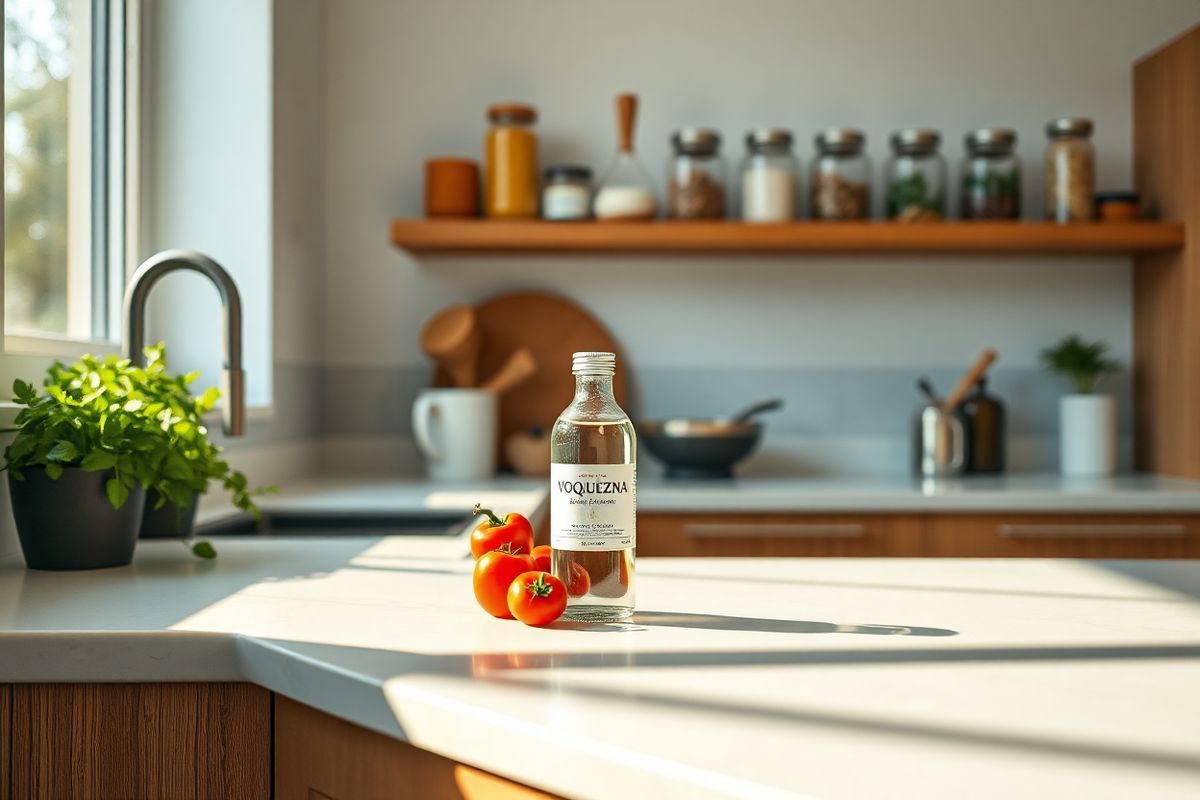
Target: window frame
[(115, 37)]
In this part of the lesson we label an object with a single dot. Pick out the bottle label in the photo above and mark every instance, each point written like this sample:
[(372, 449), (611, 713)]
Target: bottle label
[(593, 506)]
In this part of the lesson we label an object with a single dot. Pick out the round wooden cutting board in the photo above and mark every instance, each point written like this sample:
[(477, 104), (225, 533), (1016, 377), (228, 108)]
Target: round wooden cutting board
[(552, 328)]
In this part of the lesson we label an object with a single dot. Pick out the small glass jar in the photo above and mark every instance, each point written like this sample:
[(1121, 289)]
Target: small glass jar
[(510, 185), (566, 192), (916, 176), (1070, 169), (770, 176), (696, 175), (841, 176), (991, 175)]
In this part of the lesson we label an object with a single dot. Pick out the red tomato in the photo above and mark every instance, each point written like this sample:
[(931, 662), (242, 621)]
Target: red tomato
[(537, 598), (580, 581), (493, 532), (541, 558), (494, 573)]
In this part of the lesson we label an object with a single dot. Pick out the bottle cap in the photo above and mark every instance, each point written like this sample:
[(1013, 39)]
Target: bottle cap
[(593, 363)]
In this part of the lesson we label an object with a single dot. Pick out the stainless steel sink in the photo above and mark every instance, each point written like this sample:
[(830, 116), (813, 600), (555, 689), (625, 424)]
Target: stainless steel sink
[(310, 523)]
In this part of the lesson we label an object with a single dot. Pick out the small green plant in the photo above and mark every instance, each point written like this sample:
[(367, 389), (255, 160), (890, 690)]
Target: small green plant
[(1080, 362), (140, 423)]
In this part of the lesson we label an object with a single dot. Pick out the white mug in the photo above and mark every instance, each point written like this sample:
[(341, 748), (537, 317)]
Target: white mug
[(456, 431)]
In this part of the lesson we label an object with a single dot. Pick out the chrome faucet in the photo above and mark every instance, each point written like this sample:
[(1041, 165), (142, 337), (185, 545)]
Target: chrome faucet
[(233, 378)]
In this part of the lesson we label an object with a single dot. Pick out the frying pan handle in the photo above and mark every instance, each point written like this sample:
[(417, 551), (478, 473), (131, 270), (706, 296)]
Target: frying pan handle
[(745, 415)]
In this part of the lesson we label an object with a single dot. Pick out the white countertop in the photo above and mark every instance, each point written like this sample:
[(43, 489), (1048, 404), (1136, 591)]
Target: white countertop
[(737, 677)]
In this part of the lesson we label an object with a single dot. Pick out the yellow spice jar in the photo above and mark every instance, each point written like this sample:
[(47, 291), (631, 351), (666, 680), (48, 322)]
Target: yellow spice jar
[(511, 162)]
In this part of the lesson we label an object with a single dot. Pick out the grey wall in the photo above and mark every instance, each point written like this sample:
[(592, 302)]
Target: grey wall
[(408, 80)]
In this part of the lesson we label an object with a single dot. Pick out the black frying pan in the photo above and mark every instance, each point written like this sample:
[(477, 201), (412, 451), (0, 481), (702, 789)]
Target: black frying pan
[(704, 448)]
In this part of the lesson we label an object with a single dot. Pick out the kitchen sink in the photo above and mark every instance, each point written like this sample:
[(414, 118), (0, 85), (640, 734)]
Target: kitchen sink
[(310, 523)]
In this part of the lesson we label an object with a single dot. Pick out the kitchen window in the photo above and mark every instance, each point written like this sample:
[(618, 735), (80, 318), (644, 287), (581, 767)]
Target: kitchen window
[(66, 107)]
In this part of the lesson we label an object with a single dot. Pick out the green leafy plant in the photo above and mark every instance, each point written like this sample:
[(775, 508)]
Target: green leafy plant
[(142, 424), (1080, 362)]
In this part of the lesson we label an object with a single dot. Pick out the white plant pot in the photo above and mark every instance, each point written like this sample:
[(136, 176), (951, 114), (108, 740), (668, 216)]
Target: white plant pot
[(1087, 435)]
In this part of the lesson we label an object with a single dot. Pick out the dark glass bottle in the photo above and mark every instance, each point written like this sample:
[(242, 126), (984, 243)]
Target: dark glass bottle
[(983, 421)]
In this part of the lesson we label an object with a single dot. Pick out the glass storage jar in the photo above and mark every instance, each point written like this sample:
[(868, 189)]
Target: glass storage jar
[(1070, 169), (696, 175), (841, 176), (510, 184), (567, 192), (769, 176), (916, 176), (991, 175)]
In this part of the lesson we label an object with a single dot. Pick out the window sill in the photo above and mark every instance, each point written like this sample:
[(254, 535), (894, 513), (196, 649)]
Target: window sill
[(57, 347), (254, 414)]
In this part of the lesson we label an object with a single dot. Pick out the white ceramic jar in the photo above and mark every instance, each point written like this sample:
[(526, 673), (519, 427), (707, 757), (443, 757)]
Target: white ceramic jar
[(1087, 434)]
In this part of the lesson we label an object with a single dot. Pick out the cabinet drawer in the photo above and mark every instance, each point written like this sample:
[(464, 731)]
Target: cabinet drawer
[(778, 535), (1064, 536)]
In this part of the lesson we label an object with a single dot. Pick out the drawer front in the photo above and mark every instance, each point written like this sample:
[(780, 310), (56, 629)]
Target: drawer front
[(778, 535), (1064, 536)]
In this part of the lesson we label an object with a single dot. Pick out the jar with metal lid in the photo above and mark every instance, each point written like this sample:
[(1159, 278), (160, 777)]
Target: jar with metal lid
[(770, 176), (566, 192), (841, 175), (916, 176), (1070, 169), (510, 185), (991, 175), (696, 175)]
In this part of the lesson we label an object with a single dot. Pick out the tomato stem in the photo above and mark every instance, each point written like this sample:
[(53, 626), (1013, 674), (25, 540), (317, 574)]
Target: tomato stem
[(493, 520), (539, 587)]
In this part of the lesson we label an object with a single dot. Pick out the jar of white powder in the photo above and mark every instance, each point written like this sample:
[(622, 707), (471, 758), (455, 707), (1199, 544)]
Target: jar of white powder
[(769, 176)]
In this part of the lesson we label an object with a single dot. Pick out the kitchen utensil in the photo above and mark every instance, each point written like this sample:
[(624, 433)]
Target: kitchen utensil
[(925, 387), (520, 366), (704, 448), (451, 187), (625, 191), (982, 416), (551, 329), (939, 443), (977, 370), (455, 430), (451, 338)]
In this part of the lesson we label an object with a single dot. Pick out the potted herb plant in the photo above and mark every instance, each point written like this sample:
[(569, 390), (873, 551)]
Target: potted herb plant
[(88, 451), (1087, 421)]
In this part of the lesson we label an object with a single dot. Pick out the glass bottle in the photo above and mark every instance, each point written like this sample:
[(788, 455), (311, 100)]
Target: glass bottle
[(991, 175), (983, 419), (841, 176), (625, 191), (593, 479), (1070, 170), (696, 175), (770, 176), (916, 176), (510, 185)]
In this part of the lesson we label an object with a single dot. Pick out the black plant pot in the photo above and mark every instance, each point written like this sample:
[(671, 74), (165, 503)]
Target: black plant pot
[(69, 523), (170, 521)]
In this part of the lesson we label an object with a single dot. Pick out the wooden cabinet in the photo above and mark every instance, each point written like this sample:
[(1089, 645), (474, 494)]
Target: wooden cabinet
[(778, 535), (5, 740), (987, 535), (139, 740), (319, 757), (1063, 536)]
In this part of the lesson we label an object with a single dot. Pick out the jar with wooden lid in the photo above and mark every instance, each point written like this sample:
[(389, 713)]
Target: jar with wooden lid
[(991, 175), (510, 184), (916, 176), (1070, 169), (696, 175), (841, 175)]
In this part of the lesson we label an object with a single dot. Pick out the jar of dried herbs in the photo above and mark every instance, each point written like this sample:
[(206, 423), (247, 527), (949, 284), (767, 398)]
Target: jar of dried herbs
[(1070, 169), (991, 175), (916, 176), (696, 175), (841, 175)]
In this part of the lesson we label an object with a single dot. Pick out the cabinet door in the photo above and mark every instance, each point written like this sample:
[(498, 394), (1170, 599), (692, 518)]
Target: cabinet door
[(5, 740), (149, 740), (779, 535), (319, 757), (1064, 536)]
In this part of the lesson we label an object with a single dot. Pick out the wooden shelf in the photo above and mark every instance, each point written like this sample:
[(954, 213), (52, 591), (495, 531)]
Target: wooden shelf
[(534, 236)]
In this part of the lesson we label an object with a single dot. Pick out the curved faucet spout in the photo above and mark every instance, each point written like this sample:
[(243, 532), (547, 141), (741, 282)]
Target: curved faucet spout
[(233, 377)]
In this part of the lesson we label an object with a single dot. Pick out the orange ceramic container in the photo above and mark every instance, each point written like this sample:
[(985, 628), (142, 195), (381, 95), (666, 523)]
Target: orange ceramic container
[(451, 187)]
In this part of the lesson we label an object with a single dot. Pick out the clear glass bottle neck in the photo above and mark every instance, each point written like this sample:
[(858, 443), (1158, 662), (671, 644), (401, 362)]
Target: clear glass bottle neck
[(594, 387)]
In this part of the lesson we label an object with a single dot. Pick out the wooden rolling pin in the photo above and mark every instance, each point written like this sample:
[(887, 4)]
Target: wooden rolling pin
[(520, 366), (451, 338), (981, 365)]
